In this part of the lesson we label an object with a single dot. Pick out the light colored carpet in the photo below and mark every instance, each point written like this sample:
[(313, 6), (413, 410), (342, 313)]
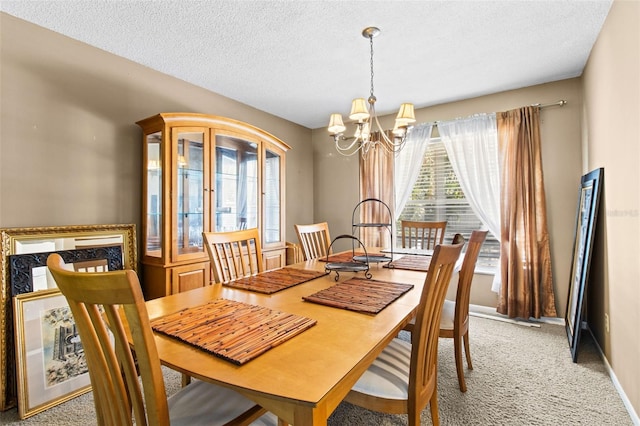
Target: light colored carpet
[(521, 376)]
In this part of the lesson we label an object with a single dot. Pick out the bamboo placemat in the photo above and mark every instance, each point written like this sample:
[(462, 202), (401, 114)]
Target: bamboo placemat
[(411, 262), (407, 250), (276, 280), (345, 257), (360, 295), (235, 331)]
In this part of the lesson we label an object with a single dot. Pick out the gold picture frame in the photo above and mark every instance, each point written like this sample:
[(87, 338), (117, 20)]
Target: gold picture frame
[(44, 240), (51, 367)]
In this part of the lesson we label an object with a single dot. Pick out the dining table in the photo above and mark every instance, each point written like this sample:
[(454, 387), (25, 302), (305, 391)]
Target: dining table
[(303, 379)]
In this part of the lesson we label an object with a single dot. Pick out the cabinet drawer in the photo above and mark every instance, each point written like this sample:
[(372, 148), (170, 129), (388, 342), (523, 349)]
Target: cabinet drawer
[(188, 277), (274, 259)]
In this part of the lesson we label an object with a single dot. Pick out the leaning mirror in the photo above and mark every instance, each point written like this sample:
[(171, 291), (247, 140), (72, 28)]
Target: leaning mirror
[(24, 253)]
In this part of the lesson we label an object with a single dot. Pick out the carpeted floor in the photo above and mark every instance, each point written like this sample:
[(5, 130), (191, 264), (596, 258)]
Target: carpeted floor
[(521, 376)]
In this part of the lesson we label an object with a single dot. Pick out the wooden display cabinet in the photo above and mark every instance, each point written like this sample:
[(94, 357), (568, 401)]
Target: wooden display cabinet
[(206, 173)]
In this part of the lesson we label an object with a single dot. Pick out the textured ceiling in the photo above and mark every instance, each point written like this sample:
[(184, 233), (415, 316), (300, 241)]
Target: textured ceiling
[(302, 60)]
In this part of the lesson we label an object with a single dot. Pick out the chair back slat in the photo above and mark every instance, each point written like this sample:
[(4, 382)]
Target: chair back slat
[(314, 239), (97, 302), (235, 254), (465, 278), (424, 338), (422, 235)]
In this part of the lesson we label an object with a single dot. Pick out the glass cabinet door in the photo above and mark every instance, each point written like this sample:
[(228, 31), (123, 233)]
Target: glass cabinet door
[(236, 170), (272, 197), (189, 191), (153, 231)]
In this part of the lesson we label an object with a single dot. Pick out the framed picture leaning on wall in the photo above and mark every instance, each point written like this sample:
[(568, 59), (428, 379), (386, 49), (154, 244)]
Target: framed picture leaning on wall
[(23, 266), (586, 218), (51, 365)]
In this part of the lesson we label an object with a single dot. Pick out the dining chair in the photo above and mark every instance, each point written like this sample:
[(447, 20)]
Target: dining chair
[(403, 378), (93, 265), (127, 382), (235, 254), (457, 239), (422, 235), (314, 239), (454, 322), (294, 252)]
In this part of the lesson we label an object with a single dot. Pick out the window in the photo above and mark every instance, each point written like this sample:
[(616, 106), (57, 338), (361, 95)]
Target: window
[(437, 196)]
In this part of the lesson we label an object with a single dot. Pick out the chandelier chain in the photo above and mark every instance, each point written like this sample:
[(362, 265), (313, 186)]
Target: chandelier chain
[(371, 63)]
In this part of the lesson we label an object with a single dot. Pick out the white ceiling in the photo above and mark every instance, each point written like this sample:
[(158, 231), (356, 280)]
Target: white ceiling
[(302, 60)]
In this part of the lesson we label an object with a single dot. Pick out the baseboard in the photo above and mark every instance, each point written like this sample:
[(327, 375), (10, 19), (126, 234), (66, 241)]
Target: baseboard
[(627, 404), (491, 313)]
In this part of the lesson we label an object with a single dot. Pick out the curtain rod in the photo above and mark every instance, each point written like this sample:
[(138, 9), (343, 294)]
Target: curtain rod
[(561, 102)]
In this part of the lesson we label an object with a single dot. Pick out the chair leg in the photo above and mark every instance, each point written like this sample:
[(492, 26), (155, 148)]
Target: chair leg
[(433, 407), (457, 349), (186, 379), (466, 350)]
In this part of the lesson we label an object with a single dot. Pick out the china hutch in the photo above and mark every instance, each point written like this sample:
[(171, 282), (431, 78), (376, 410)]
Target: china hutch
[(206, 173)]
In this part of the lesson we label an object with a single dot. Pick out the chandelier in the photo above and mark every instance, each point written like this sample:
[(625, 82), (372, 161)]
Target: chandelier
[(368, 133)]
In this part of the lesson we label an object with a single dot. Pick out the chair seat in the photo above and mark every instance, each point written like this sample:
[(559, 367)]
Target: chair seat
[(193, 405), (388, 376), (446, 320), (448, 313), (448, 309)]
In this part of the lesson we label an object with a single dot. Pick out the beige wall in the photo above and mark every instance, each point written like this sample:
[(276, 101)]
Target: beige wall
[(560, 131), (70, 151), (611, 133)]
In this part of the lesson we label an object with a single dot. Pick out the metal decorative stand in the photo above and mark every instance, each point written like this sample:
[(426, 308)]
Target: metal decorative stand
[(356, 264), (356, 225)]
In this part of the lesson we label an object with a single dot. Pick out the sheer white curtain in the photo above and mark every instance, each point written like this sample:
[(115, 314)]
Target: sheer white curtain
[(408, 163), (472, 147)]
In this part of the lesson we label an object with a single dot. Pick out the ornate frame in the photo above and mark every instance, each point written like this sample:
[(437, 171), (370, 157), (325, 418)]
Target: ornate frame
[(11, 240), (42, 318)]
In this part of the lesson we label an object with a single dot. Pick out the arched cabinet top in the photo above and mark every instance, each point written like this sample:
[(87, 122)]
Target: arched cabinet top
[(186, 119)]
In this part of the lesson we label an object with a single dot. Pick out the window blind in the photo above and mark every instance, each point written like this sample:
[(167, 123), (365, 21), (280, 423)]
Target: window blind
[(437, 196)]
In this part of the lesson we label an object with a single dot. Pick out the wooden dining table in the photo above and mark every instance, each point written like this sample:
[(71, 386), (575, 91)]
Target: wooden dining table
[(304, 379)]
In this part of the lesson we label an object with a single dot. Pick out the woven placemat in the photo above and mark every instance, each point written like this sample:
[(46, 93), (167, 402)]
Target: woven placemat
[(276, 280), (235, 331), (411, 263), (360, 295)]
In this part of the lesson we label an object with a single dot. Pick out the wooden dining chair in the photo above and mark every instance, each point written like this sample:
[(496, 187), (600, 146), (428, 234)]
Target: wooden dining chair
[(314, 239), (454, 322), (422, 235), (93, 265), (127, 381), (403, 378), (234, 254), (457, 239)]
